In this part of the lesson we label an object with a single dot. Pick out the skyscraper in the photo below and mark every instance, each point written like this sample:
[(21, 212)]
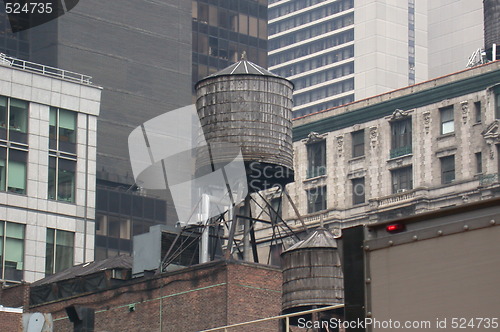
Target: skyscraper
[(340, 51), (223, 30)]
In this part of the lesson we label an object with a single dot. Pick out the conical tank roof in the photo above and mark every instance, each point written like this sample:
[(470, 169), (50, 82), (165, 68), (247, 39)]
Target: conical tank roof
[(320, 238), (242, 67)]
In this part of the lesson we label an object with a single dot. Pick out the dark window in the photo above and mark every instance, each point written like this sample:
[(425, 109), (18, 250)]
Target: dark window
[(447, 169), (402, 179), (497, 106), (447, 120), (479, 162), (358, 191), (59, 250), (477, 109), (401, 136), (275, 210), (316, 199), (13, 120), (61, 185), (316, 159), (358, 143), (275, 254)]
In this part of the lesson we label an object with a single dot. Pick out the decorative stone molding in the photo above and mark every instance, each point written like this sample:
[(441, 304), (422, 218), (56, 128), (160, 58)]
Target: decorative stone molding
[(373, 136), (314, 137), (399, 114), (492, 136), (427, 122), (465, 110), (340, 144)]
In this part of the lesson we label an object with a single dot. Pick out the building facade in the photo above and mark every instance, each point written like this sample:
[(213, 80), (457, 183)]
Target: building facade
[(422, 148), (48, 120), (340, 51)]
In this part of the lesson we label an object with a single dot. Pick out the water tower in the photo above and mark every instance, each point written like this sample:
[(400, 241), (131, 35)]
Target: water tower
[(251, 107), (312, 275)]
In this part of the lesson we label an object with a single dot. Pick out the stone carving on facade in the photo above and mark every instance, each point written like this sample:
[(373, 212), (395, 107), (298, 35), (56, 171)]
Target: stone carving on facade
[(399, 114), (373, 136), (427, 122), (340, 144), (314, 137), (492, 136), (465, 110)]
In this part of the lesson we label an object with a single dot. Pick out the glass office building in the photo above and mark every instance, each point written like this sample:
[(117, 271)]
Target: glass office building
[(222, 30)]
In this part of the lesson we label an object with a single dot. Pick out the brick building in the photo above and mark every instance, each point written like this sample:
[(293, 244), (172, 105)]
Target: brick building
[(192, 299)]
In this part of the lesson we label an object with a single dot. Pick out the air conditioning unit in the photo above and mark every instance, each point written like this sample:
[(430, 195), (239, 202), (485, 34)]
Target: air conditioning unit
[(401, 191)]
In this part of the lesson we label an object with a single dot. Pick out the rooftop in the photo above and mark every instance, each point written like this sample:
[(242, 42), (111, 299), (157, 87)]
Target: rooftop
[(116, 262), (44, 70)]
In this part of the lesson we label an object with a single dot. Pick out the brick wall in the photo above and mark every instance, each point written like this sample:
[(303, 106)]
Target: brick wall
[(14, 296), (196, 298), (11, 321)]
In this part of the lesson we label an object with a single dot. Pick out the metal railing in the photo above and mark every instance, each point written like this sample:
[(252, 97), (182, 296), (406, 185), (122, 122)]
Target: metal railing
[(487, 179), (44, 70), (285, 317), (315, 172), (404, 150)]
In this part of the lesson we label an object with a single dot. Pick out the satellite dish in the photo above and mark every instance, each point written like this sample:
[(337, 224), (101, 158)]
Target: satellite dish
[(36, 322)]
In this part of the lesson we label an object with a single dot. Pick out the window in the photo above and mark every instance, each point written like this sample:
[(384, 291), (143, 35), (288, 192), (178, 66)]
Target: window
[(59, 251), (479, 163), (316, 158), (11, 251), (497, 105), (13, 120), (316, 199), (401, 136), (62, 130), (447, 121), (62, 157), (358, 143), (13, 144), (61, 179), (275, 254), (358, 191), (477, 109), (275, 210), (402, 179), (13, 169), (447, 169)]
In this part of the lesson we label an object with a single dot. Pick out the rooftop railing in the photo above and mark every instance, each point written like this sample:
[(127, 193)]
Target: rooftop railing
[(45, 70)]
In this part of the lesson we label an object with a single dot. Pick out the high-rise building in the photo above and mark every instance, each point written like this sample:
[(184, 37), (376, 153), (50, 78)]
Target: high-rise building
[(223, 30), (344, 50), (48, 120)]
